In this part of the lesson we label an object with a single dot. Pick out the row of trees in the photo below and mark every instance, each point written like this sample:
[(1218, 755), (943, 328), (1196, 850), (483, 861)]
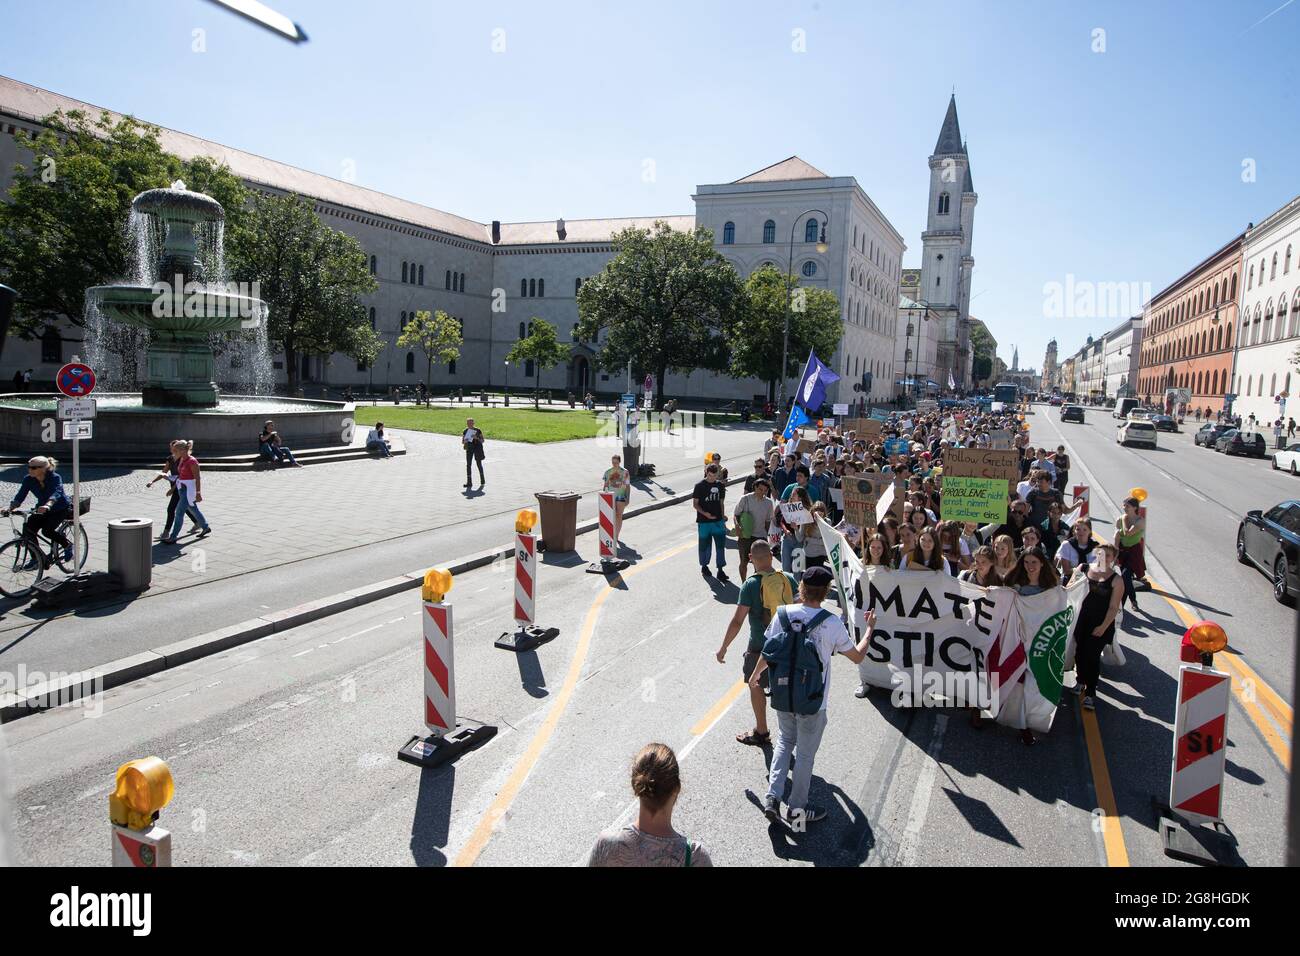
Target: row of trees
[(667, 301)]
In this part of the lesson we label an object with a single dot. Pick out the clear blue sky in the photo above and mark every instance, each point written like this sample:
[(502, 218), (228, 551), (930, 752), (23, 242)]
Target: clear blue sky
[(1121, 166)]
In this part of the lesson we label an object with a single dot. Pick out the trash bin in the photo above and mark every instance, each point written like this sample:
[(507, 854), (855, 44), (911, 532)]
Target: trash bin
[(632, 458), (130, 552), (559, 519)]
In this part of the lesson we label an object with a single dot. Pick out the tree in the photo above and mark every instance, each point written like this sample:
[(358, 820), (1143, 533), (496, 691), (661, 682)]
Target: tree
[(311, 277), (983, 351), (543, 347), (365, 346), (62, 230), (663, 300), (437, 335), (755, 337)]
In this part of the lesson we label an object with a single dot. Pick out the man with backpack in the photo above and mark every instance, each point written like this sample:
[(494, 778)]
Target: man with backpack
[(762, 593), (797, 653)]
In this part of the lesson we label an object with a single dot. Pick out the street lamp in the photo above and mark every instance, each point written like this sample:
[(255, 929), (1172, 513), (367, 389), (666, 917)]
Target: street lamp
[(924, 307), (507, 383), (789, 295)]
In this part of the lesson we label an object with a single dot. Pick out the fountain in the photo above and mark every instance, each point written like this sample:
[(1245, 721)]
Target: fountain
[(176, 302)]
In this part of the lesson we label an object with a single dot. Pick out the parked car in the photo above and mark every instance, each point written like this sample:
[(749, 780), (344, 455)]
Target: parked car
[(1072, 413), (1234, 442), (1209, 433), (1135, 431), (1164, 423), (1270, 540), (1287, 459)]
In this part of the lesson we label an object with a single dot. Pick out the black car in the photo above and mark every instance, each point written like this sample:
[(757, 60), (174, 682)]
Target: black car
[(1072, 413), (1208, 434), (1270, 540), (1164, 423), (1233, 442)]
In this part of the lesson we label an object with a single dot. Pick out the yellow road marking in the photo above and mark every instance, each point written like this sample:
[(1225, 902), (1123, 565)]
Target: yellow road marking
[(718, 709), (1112, 835), (482, 834)]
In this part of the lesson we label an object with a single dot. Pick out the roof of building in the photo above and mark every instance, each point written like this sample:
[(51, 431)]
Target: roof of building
[(950, 135), (34, 104), (786, 170), (967, 184)]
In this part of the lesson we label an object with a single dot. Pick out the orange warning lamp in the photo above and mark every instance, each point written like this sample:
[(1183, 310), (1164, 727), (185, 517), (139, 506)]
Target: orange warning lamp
[(143, 788), (525, 520), (437, 582), (1139, 493), (708, 458), (1208, 637)]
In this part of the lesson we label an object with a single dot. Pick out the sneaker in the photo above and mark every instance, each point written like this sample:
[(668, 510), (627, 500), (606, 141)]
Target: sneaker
[(809, 814), (1075, 689), (1089, 702), (205, 532), (772, 809), (862, 691), (705, 572), (722, 575)]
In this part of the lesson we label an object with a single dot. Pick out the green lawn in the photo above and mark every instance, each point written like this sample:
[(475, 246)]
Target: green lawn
[(504, 424)]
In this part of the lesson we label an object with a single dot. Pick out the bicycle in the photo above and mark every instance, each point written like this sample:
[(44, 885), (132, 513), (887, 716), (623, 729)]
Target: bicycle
[(23, 563)]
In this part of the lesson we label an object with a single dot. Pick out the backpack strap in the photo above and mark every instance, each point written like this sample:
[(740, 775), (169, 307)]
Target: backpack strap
[(816, 620), (688, 854)]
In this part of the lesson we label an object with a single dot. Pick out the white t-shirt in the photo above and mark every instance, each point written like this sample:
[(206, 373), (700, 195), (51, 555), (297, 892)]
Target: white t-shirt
[(1068, 552), (831, 638), (1023, 488)]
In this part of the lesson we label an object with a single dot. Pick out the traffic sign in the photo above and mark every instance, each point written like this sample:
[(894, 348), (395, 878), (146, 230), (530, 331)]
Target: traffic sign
[(74, 408), (629, 399), (78, 429), (76, 380)]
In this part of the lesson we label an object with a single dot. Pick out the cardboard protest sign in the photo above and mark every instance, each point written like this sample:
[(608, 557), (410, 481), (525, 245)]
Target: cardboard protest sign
[(982, 463), (862, 494), (982, 500), (925, 406), (897, 446)]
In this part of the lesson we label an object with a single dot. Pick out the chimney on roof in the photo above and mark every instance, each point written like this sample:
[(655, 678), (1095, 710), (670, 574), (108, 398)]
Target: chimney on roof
[(496, 231), (560, 230)]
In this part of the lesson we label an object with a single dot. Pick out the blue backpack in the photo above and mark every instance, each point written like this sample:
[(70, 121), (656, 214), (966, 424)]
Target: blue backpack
[(796, 679)]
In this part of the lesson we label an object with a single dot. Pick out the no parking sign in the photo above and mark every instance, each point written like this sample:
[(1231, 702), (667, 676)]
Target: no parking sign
[(75, 380)]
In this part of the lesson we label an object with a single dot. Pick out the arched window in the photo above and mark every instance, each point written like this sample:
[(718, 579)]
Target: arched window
[(446, 280), (1233, 296), (403, 319), (541, 288), (523, 288), (809, 269), (374, 265), (943, 204), (577, 285), (451, 367), (532, 288), (1272, 384), (462, 282), (522, 330), (1273, 272), (769, 231), (1286, 265), (529, 368), (372, 319), (729, 234), (403, 270), (410, 362), (421, 275), (810, 231), (51, 346), (1227, 337)]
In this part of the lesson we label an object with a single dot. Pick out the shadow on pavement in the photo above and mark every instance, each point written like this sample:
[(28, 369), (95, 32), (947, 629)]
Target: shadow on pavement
[(432, 816), (844, 838), (531, 677)]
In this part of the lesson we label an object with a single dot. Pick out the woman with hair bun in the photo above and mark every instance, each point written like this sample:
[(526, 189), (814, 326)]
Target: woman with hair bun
[(651, 840)]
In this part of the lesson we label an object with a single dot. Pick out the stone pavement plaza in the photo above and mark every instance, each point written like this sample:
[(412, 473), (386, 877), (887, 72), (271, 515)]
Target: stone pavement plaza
[(268, 518)]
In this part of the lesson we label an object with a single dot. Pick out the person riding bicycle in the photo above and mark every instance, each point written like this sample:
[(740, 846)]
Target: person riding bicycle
[(52, 504)]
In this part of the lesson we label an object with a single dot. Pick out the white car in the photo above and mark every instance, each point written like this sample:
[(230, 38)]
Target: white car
[(1135, 431), (1288, 459)]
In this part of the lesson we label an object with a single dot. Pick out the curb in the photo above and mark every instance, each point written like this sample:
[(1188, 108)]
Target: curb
[(46, 695)]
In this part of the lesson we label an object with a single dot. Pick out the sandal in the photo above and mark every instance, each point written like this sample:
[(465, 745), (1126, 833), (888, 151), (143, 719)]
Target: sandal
[(753, 738)]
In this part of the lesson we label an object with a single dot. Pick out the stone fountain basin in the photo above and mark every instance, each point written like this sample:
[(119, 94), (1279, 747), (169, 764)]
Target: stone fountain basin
[(180, 205), (126, 428), (143, 307)]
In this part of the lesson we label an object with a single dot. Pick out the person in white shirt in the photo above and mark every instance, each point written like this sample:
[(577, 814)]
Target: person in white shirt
[(1077, 549), (376, 441), (799, 735), (471, 440)]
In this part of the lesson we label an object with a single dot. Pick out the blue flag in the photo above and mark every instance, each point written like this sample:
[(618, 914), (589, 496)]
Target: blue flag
[(812, 385), (798, 418)]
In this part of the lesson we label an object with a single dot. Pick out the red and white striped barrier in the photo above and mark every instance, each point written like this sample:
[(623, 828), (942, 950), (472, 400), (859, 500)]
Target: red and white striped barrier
[(525, 578), (608, 539), (449, 736), (439, 669), (1200, 738), (147, 849), (1081, 501)]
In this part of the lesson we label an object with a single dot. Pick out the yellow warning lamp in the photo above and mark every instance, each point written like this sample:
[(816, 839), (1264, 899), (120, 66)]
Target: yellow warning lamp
[(525, 520), (1139, 493), (437, 582), (708, 458), (143, 788), (1208, 637)]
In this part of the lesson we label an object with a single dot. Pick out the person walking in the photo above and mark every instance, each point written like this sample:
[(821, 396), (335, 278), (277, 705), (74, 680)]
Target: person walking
[(27, 380), (52, 504), (1290, 429), (710, 526), (651, 841), (617, 481), (168, 474), (471, 439), (763, 592), (1130, 536), (753, 515), (189, 492), (1096, 626), (801, 640)]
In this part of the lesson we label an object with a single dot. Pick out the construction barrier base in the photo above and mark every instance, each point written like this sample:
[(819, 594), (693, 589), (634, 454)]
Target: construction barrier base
[(1212, 845), (526, 638), (608, 566), (435, 751)]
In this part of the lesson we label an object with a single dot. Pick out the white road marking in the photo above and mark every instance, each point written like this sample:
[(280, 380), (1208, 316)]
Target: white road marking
[(357, 634), (908, 846), (1195, 494), (307, 651)]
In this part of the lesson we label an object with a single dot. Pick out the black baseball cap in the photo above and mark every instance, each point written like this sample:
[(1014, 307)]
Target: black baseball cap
[(818, 577)]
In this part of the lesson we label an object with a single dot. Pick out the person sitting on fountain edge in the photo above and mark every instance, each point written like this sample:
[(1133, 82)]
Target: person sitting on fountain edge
[(271, 448), (377, 441)]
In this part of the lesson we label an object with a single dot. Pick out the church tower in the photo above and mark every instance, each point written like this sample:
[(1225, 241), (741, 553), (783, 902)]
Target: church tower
[(947, 262)]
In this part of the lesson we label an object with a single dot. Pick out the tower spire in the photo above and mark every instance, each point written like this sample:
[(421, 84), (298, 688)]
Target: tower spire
[(950, 135)]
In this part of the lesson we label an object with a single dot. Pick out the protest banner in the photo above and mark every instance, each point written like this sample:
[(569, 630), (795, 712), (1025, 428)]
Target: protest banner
[(981, 500), (933, 636), (845, 565), (925, 406), (982, 463), (862, 494), (1032, 655), (879, 414)]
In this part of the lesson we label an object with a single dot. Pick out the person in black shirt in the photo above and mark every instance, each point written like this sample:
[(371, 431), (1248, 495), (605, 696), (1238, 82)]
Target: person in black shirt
[(471, 439), (710, 523), (760, 471), (1014, 525)]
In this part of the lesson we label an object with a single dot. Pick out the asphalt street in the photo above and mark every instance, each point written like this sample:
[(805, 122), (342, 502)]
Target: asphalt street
[(284, 750)]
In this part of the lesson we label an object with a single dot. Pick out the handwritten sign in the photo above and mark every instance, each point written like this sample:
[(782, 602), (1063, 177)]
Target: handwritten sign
[(861, 494), (981, 500), (1001, 463), (795, 513)]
